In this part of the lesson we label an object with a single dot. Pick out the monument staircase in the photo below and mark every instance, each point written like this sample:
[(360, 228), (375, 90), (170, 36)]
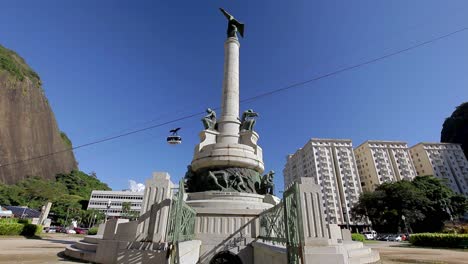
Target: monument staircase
[(84, 249)]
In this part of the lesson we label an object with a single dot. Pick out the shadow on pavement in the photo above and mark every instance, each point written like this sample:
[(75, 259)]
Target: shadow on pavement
[(64, 257), (59, 241)]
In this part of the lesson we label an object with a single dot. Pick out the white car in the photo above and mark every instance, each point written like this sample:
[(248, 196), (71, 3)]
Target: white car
[(397, 238), (71, 231), (370, 235)]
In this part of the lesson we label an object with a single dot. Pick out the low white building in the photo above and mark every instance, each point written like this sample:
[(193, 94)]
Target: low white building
[(99, 200)]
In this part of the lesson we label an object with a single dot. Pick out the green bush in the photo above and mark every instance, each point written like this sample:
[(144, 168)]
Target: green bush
[(439, 240), (10, 229), (8, 220), (358, 237), (31, 230), (93, 231), (24, 221)]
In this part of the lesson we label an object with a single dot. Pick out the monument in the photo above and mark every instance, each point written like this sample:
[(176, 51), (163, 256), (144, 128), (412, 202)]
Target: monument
[(228, 157), (224, 210), (224, 182)]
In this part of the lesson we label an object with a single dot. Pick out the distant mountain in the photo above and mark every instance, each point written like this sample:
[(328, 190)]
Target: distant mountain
[(455, 128), (28, 127)]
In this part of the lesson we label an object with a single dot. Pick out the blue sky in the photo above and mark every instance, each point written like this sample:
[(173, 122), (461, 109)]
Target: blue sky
[(112, 66)]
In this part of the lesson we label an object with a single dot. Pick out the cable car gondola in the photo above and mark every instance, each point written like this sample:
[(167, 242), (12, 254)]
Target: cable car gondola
[(174, 139)]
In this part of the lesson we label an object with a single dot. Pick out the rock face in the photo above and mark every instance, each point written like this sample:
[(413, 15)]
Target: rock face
[(27, 125)]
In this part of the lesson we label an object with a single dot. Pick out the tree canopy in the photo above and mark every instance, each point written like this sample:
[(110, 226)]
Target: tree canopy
[(421, 205), (69, 194), (455, 128)]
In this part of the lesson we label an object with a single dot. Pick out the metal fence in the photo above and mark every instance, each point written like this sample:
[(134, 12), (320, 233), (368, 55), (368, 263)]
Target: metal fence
[(282, 224), (272, 226), (181, 222)]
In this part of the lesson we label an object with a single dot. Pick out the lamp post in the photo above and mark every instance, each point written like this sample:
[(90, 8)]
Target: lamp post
[(108, 206), (346, 215), (404, 222)]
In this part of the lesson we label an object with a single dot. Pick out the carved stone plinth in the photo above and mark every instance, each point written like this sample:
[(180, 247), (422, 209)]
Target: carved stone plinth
[(226, 221)]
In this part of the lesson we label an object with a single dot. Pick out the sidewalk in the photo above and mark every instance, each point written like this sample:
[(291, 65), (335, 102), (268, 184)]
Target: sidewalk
[(45, 250)]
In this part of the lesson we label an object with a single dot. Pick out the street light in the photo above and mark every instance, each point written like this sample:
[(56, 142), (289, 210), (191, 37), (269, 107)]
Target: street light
[(404, 222), (108, 206), (346, 215)]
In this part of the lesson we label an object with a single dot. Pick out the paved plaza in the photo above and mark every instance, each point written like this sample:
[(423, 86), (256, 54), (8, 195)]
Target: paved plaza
[(396, 252), (45, 250), (48, 249)]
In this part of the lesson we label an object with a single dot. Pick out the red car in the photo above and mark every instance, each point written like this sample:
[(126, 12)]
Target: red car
[(80, 231)]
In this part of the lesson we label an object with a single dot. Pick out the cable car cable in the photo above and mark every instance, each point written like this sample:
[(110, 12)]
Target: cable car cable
[(348, 68)]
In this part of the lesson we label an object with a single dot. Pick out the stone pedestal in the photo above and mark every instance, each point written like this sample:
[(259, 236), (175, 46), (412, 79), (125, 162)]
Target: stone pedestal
[(226, 222), (154, 212), (313, 218)]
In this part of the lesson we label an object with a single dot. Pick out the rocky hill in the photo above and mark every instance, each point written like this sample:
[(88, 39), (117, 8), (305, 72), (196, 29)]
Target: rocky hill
[(27, 125)]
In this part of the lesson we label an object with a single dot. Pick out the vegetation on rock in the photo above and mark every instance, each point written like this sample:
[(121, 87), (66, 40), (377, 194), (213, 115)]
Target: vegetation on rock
[(11, 62), (66, 141)]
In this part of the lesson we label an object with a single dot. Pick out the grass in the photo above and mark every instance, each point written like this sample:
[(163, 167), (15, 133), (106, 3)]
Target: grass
[(371, 241), (17, 68)]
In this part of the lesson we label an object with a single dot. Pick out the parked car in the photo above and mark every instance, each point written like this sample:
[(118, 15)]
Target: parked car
[(80, 231), (60, 229), (51, 229), (370, 235), (397, 238), (384, 237), (70, 231)]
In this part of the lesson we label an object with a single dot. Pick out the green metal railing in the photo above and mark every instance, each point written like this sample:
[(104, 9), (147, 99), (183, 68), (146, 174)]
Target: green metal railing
[(282, 224), (294, 227), (272, 226), (181, 222)]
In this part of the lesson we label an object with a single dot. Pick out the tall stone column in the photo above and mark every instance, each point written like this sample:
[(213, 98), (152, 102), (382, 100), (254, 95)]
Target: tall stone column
[(228, 123)]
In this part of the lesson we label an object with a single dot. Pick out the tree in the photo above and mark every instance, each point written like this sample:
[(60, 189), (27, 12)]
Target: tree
[(438, 204), (425, 204), (127, 212), (455, 128), (388, 203), (69, 194)]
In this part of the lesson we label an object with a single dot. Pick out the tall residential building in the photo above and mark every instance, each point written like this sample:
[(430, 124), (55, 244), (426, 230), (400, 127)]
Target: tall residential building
[(443, 160), (331, 163), (100, 199), (383, 161)]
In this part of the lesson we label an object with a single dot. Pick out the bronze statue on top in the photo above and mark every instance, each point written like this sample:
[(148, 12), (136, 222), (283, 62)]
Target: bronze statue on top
[(209, 121), (248, 120), (234, 26)]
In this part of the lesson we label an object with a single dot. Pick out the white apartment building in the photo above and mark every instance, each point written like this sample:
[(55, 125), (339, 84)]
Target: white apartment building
[(100, 199), (332, 164), (383, 161), (442, 160)]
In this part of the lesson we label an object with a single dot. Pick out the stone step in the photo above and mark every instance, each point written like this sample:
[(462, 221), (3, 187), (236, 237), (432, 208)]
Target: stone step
[(352, 244), (372, 257), (92, 239), (85, 246), (80, 254), (357, 252)]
